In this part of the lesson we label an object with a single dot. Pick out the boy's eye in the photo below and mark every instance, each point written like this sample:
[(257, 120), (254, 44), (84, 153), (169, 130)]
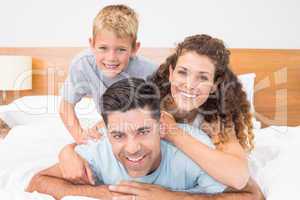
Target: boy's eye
[(101, 48), (121, 50)]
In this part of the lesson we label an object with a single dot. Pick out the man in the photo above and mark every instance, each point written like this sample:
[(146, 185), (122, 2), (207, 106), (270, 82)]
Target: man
[(131, 162)]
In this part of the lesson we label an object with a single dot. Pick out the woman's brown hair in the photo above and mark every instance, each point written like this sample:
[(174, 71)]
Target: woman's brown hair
[(228, 102)]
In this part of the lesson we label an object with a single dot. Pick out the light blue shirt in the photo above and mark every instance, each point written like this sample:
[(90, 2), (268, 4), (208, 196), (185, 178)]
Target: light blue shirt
[(176, 171), (86, 79)]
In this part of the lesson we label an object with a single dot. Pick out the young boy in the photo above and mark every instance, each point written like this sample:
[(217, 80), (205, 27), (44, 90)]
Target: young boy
[(111, 57)]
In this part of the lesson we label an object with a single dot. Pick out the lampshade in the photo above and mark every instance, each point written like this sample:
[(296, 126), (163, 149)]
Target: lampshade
[(15, 72)]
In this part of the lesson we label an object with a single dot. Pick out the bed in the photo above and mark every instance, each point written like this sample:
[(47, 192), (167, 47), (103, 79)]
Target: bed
[(272, 84)]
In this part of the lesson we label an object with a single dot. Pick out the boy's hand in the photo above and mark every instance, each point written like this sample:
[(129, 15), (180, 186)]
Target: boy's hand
[(74, 168), (88, 134), (94, 132), (82, 137)]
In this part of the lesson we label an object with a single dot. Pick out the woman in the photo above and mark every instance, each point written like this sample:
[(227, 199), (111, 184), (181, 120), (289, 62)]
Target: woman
[(197, 87)]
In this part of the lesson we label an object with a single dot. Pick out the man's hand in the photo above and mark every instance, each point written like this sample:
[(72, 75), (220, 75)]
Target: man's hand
[(142, 191), (74, 168)]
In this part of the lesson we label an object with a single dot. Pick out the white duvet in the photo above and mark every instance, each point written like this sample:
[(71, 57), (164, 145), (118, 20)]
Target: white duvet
[(29, 148)]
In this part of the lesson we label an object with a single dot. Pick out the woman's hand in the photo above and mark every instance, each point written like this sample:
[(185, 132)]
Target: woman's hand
[(74, 168), (169, 128)]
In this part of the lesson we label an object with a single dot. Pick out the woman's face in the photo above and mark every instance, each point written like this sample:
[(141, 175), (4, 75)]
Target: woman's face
[(191, 80)]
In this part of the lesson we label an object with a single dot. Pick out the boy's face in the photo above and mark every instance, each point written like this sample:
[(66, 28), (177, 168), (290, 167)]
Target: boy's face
[(112, 53), (135, 139)]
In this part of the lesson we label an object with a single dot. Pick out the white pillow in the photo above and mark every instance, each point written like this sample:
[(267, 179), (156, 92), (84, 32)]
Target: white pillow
[(247, 81), (4, 115), (32, 109)]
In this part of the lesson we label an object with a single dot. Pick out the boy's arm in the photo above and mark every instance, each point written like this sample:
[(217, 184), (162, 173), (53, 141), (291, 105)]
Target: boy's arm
[(50, 182), (71, 122)]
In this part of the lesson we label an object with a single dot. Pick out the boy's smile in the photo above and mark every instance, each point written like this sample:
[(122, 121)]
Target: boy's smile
[(112, 53)]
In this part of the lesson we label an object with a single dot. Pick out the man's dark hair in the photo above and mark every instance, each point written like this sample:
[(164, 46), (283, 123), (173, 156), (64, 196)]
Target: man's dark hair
[(131, 93)]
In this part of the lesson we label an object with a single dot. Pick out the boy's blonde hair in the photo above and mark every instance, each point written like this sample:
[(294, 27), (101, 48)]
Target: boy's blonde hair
[(120, 19)]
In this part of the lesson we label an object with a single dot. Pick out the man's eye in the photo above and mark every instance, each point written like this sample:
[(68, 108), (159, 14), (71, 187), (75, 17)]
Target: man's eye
[(117, 137), (143, 132)]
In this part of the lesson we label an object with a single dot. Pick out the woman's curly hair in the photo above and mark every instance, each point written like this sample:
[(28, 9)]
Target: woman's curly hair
[(228, 102)]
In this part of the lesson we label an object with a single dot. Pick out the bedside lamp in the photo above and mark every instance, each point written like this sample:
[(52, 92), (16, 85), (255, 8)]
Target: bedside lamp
[(15, 74)]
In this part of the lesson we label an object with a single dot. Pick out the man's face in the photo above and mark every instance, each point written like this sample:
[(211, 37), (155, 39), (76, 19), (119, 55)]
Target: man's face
[(135, 139), (112, 53)]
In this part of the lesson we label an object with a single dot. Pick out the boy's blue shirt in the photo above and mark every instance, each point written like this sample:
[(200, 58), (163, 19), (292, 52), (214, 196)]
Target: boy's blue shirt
[(176, 171)]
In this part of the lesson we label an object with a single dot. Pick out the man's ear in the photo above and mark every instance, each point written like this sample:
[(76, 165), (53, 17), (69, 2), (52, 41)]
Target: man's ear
[(171, 70), (135, 48)]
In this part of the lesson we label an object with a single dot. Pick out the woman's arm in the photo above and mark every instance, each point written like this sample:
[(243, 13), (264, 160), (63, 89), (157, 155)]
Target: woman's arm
[(229, 165)]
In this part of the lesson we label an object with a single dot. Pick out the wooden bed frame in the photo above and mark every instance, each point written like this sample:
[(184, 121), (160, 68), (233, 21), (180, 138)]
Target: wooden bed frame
[(277, 85)]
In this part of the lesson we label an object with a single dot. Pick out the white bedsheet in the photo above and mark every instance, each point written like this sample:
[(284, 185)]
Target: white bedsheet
[(27, 149), (275, 162)]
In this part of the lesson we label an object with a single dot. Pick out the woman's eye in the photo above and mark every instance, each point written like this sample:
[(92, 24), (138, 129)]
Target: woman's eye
[(203, 78), (182, 72)]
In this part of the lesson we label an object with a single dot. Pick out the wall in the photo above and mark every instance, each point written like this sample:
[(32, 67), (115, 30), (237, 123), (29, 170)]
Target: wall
[(241, 24)]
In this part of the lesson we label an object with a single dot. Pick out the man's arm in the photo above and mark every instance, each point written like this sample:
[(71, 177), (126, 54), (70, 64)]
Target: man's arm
[(150, 192), (50, 182), (250, 192)]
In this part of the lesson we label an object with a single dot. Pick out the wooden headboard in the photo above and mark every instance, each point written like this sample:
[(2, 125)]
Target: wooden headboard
[(277, 85)]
